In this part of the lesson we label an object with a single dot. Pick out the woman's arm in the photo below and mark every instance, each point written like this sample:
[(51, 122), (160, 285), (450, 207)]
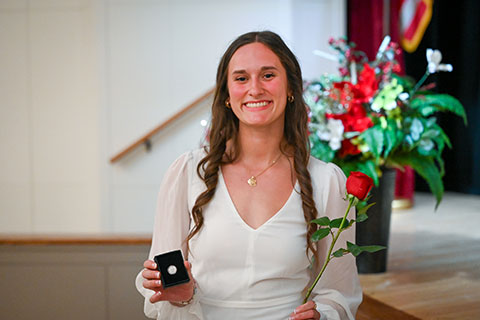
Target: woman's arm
[(171, 227), (338, 293)]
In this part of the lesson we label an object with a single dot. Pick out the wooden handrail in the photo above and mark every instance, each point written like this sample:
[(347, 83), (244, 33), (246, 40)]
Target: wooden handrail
[(146, 138)]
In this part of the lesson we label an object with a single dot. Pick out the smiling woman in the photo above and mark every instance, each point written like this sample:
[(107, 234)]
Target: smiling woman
[(240, 210), (257, 85)]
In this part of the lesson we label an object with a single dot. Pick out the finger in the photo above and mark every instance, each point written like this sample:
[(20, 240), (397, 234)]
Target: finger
[(150, 274), (157, 296), (307, 306), (188, 266), (152, 284), (150, 264), (308, 314)]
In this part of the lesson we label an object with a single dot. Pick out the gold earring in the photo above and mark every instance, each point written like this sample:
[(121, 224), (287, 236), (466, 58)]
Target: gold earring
[(291, 99), (227, 104)]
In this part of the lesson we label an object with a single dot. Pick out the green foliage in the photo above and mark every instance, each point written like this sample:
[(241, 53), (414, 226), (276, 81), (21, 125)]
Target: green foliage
[(430, 103)]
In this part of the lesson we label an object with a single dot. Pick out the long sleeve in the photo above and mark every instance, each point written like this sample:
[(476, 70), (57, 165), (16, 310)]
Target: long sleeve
[(171, 227), (338, 293)]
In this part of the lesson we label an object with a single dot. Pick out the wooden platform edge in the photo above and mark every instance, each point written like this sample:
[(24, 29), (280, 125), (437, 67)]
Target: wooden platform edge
[(373, 309), (113, 239)]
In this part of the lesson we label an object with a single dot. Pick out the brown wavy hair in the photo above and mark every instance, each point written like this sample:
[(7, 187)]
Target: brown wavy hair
[(224, 127)]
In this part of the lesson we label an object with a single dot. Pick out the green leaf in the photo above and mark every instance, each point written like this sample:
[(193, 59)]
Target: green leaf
[(364, 209), (340, 253), (320, 149), (372, 248), (362, 217), (356, 250), (350, 223), (425, 167), (320, 234), (353, 248), (390, 138), (440, 102), (323, 221), (335, 223), (373, 137)]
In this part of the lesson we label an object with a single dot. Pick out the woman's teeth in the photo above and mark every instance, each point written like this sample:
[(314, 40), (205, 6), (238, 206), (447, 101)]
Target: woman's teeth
[(256, 104)]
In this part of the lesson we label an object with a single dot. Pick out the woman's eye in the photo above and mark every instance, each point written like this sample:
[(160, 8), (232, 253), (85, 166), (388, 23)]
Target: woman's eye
[(241, 79), (269, 75)]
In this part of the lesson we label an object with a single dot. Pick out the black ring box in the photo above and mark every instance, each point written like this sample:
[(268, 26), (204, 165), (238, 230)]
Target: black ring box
[(167, 260)]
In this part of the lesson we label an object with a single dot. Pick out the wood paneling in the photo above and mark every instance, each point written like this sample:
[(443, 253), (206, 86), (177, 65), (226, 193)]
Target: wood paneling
[(71, 281)]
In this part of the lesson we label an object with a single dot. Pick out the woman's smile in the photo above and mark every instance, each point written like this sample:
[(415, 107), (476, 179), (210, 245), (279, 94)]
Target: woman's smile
[(257, 105)]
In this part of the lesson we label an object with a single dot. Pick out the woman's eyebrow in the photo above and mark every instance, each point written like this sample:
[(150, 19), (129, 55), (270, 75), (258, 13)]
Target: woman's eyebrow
[(264, 68)]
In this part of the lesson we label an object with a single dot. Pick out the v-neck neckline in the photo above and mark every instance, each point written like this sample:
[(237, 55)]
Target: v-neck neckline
[(237, 214)]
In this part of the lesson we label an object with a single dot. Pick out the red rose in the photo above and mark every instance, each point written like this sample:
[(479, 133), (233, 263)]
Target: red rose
[(359, 184)]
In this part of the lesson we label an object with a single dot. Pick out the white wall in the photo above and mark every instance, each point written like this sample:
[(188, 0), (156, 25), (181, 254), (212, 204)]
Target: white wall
[(81, 79)]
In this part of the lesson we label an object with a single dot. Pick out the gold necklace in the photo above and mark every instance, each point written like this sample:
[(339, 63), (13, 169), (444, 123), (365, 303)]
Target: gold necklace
[(252, 182)]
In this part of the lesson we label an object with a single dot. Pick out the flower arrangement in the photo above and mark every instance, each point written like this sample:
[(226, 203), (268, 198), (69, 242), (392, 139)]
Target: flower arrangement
[(369, 117), (358, 186)]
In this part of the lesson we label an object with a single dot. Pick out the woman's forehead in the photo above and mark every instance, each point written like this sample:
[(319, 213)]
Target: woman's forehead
[(254, 56)]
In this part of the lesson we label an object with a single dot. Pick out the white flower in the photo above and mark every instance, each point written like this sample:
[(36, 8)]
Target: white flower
[(416, 129), (336, 133), (426, 144), (403, 96), (434, 57), (323, 135)]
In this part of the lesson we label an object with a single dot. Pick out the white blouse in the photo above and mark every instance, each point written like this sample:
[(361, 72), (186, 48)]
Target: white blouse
[(246, 273)]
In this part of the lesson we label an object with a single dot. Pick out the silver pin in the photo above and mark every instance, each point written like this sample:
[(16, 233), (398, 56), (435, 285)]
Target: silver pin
[(172, 270)]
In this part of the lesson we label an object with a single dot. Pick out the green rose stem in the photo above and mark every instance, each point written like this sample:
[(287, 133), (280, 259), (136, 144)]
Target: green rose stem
[(329, 255)]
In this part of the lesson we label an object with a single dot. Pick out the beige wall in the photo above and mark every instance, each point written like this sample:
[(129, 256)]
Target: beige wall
[(81, 79)]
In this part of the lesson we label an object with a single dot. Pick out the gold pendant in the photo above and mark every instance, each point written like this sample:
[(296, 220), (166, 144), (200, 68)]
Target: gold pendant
[(252, 181)]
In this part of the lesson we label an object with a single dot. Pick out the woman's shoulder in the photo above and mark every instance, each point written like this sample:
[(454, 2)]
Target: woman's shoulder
[(186, 163), (191, 156), (318, 167)]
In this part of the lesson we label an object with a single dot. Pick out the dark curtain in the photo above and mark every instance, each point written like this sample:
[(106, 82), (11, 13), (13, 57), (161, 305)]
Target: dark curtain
[(454, 30)]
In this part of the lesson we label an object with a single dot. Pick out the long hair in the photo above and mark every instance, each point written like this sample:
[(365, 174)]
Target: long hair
[(224, 127)]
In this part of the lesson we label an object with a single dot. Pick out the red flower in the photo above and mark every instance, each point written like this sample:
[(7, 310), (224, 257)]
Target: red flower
[(359, 184), (367, 84), (348, 148), (355, 119), (361, 124), (342, 92)]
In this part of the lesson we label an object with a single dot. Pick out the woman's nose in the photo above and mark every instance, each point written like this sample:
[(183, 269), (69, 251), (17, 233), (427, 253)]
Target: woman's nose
[(256, 87)]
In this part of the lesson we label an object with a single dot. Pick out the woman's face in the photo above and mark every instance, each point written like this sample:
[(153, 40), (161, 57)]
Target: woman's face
[(257, 86)]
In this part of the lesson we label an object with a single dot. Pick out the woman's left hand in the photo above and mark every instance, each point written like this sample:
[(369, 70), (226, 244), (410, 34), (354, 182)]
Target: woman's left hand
[(306, 311)]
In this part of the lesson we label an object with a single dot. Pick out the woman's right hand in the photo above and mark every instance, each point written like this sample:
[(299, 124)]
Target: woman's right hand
[(182, 292)]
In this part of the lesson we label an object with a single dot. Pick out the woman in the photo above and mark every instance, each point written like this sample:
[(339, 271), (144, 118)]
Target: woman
[(240, 210)]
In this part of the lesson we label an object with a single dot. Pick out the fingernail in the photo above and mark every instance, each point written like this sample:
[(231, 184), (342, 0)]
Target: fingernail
[(159, 282), (158, 275)]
